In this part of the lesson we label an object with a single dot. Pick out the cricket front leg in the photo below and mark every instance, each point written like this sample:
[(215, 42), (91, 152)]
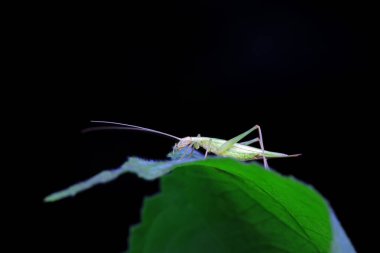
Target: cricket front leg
[(186, 150)]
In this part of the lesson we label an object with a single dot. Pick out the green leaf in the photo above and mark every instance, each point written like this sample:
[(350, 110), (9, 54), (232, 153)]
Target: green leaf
[(221, 205), (145, 169), (341, 243)]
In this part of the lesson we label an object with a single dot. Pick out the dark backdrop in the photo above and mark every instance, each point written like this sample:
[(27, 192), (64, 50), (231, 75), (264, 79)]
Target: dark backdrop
[(299, 69)]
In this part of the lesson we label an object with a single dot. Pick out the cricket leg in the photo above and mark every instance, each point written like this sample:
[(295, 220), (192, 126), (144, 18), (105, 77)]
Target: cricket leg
[(196, 144), (192, 150), (187, 149), (228, 144), (262, 147), (247, 143), (208, 147), (191, 153)]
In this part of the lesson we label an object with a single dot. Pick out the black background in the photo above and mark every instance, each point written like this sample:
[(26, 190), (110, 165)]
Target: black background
[(298, 69)]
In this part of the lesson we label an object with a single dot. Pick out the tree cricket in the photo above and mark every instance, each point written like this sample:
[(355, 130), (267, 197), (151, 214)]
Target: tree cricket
[(226, 148)]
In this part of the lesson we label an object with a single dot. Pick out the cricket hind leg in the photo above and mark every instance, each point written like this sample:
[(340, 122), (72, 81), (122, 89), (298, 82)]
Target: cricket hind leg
[(247, 143), (228, 144), (260, 139), (231, 142), (261, 142)]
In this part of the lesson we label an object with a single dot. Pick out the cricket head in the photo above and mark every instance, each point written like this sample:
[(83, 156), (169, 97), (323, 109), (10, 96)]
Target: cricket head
[(184, 142)]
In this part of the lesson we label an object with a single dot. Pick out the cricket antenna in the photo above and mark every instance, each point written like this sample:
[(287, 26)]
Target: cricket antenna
[(123, 126), (100, 128)]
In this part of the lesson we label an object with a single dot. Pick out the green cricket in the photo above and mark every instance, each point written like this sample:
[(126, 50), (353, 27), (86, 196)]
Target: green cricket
[(226, 148)]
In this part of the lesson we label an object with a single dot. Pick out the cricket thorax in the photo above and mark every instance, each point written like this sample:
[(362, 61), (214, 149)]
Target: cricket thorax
[(184, 142)]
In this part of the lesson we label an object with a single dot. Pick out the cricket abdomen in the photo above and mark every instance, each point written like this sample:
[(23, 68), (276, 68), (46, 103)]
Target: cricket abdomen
[(237, 151)]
